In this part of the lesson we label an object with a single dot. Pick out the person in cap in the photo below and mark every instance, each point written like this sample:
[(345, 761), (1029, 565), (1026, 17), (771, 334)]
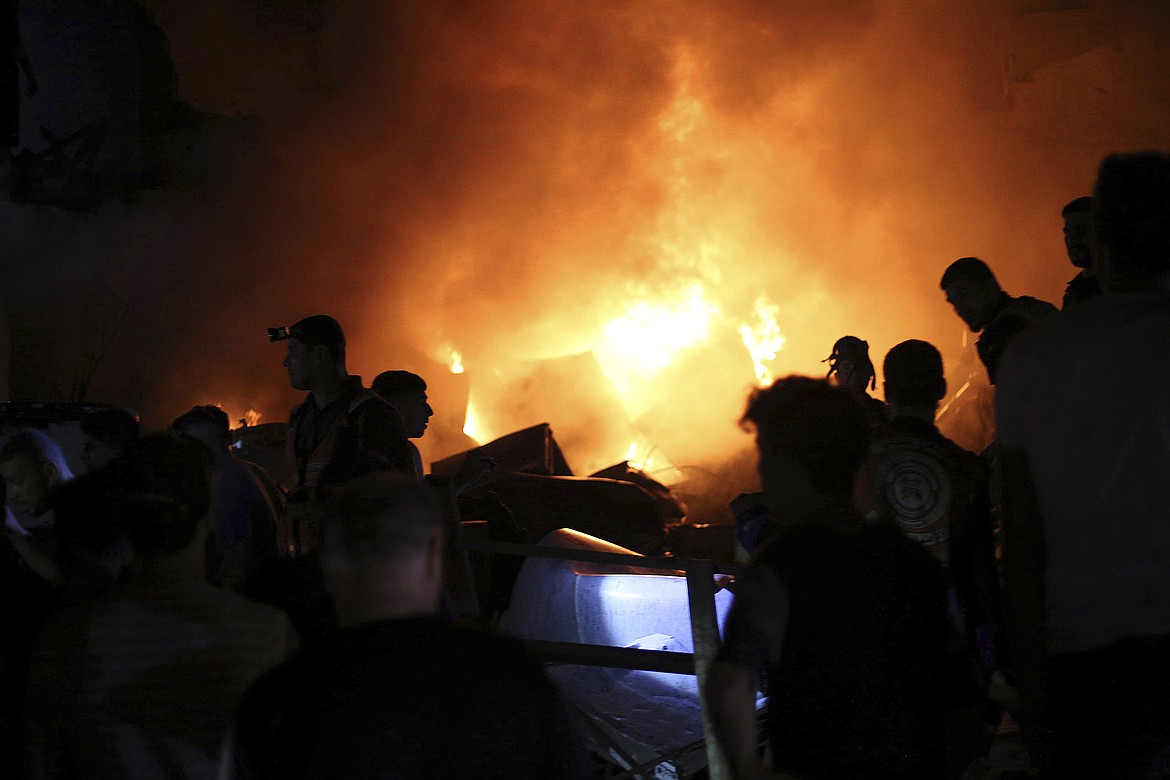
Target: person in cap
[(850, 363), (972, 289), (338, 420), (1078, 243)]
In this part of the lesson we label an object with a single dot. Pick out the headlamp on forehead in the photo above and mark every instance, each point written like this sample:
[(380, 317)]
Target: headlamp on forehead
[(278, 334)]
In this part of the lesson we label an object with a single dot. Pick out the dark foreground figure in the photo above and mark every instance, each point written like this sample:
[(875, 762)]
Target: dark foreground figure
[(1084, 420), (847, 618), (397, 693)]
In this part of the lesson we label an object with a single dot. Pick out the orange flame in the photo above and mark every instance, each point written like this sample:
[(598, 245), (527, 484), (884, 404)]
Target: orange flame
[(456, 362), (763, 339), (471, 424)]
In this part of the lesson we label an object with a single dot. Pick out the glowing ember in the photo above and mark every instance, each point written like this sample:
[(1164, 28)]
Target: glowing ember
[(456, 362), (763, 339)]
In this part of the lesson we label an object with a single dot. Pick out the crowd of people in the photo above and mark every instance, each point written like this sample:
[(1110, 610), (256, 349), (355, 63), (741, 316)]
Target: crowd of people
[(912, 595), (178, 612)]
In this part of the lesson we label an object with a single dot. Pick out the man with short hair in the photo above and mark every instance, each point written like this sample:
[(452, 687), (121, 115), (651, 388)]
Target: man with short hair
[(847, 618), (1078, 242), (407, 393), (141, 684), (32, 464), (1083, 409), (936, 492), (397, 692), (339, 420), (971, 288)]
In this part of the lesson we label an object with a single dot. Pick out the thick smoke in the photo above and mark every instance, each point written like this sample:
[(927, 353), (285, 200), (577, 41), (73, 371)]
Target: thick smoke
[(506, 179)]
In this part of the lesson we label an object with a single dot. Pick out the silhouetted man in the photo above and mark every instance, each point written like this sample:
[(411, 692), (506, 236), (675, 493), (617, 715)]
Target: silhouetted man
[(339, 420), (407, 393), (936, 492), (847, 618), (397, 692), (971, 288), (1083, 410), (1078, 242)]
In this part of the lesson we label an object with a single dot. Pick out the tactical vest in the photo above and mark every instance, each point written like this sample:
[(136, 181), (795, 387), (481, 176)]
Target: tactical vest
[(306, 470)]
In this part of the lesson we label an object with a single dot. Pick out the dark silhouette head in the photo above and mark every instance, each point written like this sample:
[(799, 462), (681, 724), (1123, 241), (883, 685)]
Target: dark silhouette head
[(107, 433), (1131, 219), (316, 349), (209, 424), (973, 291), (850, 362), (1078, 231), (380, 515), (913, 372), (163, 492), (810, 422), (383, 549), (407, 393)]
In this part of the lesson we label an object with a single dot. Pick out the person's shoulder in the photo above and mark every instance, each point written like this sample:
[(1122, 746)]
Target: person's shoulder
[(1027, 305)]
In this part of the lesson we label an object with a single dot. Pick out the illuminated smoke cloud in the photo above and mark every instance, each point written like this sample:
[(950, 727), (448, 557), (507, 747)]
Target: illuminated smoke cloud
[(529, 181)]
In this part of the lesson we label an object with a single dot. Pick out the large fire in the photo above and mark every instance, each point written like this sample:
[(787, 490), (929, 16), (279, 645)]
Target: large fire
[(672, 203), (671, 334)]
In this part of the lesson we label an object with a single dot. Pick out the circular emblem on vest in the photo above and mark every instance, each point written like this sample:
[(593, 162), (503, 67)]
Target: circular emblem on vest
[(915, 484)]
